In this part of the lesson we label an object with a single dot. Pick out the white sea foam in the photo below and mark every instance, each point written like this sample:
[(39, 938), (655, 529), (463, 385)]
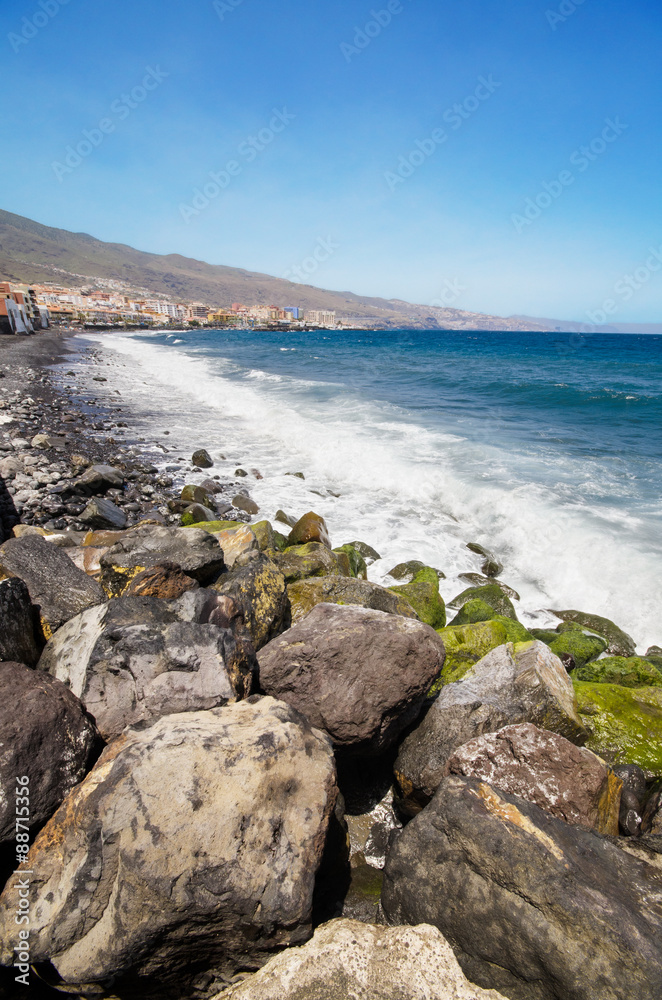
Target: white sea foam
[(408, 490)]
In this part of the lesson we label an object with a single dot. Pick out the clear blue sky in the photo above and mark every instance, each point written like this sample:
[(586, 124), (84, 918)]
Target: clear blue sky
[(360, 105)]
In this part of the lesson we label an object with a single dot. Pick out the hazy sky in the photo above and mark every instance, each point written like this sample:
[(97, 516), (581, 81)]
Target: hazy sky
[(405, 141)]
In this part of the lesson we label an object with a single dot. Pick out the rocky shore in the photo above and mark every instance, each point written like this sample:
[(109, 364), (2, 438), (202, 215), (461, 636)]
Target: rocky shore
[(231, 766)]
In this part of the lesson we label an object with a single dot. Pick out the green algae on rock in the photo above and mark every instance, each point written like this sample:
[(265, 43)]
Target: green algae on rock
[(625, 724), (407, 571), (474, 611), (628, 671), (423, 595), (465, 646), (491, 594), (357, 563), (575, 648), (619, 643), (299, 562), (306, 594)]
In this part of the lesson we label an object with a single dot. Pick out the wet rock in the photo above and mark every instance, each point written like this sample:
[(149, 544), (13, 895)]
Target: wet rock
[(406, 571), (258, 588), (300, 562), (491, 594), (285, 518), (423, 595), (196, 495), (348, 959), (492, 566), (357, 564), (45, 736), (466, 645), (478, 580), (131, 661), (619, 643), (371, 833), (241, 502), (310, 528), (197, 513), (202, 459), (58, 589), (240, 473), (630, 671), (531, 905), (196, 552), (509, 685), (624, 724), (18, 641), (652, 818), (167, 581), (99, 479), (192, 847), (566, 781), (575, 648), (634, 794), (307, 594), (360, 675), (369, 554), (103, 513)]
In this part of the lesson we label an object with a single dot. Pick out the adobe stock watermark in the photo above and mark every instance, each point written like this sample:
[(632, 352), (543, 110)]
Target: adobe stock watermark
[(223, 7), (565, 10), (450, 293), (626, 287), (121, 109), (324, 249), (31, 26), (454, 117), (21, 881), (379, 20), (248, 150), (582, 159)]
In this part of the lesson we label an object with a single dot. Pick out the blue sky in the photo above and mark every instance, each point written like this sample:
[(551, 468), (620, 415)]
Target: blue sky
[(414, 200)]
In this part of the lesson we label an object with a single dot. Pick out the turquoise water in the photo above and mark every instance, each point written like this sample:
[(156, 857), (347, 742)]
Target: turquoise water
[(546, 447)]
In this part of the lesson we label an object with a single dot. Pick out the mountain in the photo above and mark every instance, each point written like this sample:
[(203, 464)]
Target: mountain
[(30, 252)]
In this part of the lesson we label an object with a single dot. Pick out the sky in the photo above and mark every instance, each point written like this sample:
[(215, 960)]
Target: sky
[(501, 156)]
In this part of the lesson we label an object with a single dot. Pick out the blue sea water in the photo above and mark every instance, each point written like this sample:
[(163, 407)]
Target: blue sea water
[(547, 448)]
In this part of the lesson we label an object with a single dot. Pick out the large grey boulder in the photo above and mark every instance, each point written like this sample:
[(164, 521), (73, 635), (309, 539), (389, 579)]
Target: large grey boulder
[(195, 551), (132, 660), (532, 906), (46, 736), (566, 781), (58, 589), (18, 641), (526, 683), (192, 846), (348, 960), (360, 675)]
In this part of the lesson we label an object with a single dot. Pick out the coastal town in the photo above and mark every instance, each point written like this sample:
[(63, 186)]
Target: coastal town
[(26, 309)]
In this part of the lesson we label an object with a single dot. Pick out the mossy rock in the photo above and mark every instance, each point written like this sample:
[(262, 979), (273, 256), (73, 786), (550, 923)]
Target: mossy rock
[(628, 671), (369, 554), (357, 564), (363, 895), (625, 724), (575, 648), (474, 611), (546, 635), (264, 533), (304, 595), (196, 494), (299, 562), (280, 540), (619, 643), (491, 594), (654, 656), (424, 597), (409, 570), (213, 526), (197, 514), (465, 646), (516, 632)]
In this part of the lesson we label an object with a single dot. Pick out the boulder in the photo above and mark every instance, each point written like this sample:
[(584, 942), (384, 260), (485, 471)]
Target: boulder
[(44, 442), (491, 566), (423, 595), (98, 479), (196, 552), (566, 781), (371, 832), (196, 495), (652, 818), (18, 640), (474, 611), (466, 645), (357, 564), (196, 514), (132, 661), (240, 502), (202, 459), (630, 671), (45, 736), (191, 848), (478, 580), (101, 513), (287, 519), (491, 594), (619, 643), (306, 594), (575, 648), (654, 656), (532, 906), (309, 528), (369, 554), (236, 542), (624, 724), (511, 684), (58, 589), (265, 535), (167, 581), (632, 798), (300, 562), (406, 571), (360, 675), (258, 589), (348, 960)]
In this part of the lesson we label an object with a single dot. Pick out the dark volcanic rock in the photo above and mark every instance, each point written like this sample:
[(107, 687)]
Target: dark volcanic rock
[(532, 906), (195, 551), (131, 661), (8, 514), (258, 589), (202, 459), (17, 623), (506, 687), (98, 479), (58, 589), (566, 781), (167, 581), (192, 846), (360, 675), (46, 736), (102, 513)]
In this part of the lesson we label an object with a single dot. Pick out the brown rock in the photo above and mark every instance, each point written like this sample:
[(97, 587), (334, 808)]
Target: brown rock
[(309, 528), (566, 781), (360, 675), (241, 502), (167, 581)]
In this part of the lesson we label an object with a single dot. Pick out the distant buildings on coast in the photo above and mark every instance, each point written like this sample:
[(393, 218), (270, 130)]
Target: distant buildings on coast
[(26, 309)]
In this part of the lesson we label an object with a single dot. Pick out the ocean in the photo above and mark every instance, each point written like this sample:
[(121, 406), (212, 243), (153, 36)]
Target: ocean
[(546, 448)]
